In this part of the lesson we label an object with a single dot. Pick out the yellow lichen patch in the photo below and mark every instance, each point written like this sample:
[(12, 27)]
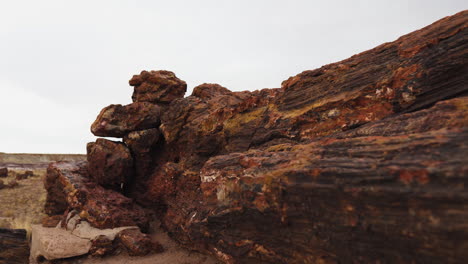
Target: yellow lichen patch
[(279, 148), (461, 104), (236, 123), (327, 100)]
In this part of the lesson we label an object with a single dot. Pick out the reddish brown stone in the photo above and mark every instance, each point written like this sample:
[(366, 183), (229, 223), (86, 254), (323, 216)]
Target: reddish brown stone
[(102, 208), (364, 160), (210, 90), (110, 163), (14, 246), (3, 172), (51, 221), (141, 142), (102, 246), (2, 184), (12, 184), (137, 243), (328, 167), (56, 202), (24, 176), (118, 120), (160, 87)]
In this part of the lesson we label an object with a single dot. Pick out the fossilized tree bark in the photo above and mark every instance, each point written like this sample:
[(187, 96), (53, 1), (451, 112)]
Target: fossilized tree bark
[(14, 247), (364, 160), (329, 167)]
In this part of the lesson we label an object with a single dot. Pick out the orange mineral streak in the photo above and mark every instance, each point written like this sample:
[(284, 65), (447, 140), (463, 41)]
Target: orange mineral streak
[(409, 176)]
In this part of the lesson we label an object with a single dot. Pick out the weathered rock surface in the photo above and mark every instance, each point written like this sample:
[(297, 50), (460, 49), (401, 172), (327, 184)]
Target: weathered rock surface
[(141, 142), (24, 175), (51, 221), (56, 243), (102, 208), (110, 163), (118, 120), (160, 87), (3, 172), (136, 243), (14, 247), (360, 161), (83, 229), (352, 161)]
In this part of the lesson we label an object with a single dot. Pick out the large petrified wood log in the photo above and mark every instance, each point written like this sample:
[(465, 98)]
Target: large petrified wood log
[(360, 161), (14, 247), (351, 162)]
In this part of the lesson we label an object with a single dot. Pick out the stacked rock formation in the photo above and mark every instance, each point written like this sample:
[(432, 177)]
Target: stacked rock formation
[(364, 160)]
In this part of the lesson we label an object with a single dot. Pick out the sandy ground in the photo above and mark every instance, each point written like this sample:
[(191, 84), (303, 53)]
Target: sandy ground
[(173, 254), (24, 204)]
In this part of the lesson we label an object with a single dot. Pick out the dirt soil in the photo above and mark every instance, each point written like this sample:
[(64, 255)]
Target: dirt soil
[(22, 205)]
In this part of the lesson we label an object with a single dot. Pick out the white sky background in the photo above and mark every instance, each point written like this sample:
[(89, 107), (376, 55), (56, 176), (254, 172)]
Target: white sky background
[(62, 61)]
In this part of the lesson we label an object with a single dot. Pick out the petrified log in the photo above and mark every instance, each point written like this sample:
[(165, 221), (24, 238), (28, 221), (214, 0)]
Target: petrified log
[(14, 247), (102, 208), (360, 161), (118, 120), (159, 87), (351, 162), (3, 172), (110, 163)]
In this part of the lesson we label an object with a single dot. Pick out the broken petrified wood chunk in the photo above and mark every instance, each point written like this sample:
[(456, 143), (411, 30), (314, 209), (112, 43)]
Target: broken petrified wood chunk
[(141, 142), (110, 163), (118, 120), (102, 208), (3, 172), (210, 90), (102, 246), (137, 243), (56, 202), (157, 87), (24, 175), (14, 246), (12, 184)]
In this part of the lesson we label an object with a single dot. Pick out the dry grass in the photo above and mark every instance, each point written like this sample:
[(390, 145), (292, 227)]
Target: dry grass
[(23, 205)]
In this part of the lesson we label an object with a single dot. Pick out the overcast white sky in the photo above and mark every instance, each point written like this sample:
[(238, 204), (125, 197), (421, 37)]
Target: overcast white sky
[(62, 61)]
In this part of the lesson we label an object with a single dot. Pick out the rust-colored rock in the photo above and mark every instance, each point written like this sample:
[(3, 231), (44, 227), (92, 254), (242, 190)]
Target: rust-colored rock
[(118, 120), (364, 160), (51, 221), (110, 163), (12, 184), (14, 247), (137, 243), (161, 87), (143, 141), (102, 246), (24, 175), (3, 172), (330, 166), (102, 208)]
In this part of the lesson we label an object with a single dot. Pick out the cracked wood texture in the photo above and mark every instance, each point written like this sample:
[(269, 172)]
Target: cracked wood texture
[(359, 161), (14, 246), (364, 160)]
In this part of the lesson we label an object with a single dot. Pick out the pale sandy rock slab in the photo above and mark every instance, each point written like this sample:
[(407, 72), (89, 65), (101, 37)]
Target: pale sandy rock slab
[(55, 243)]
